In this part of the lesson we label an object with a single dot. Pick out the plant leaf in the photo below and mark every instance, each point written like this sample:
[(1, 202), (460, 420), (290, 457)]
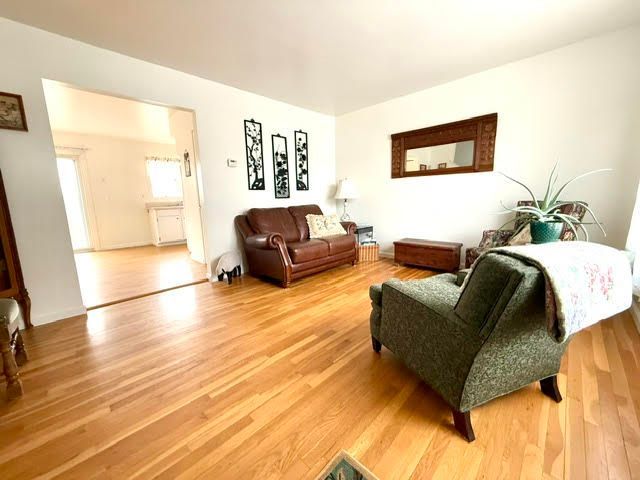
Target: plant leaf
[(533, 197), (567, 222), (588, 209), (557, 195), (530, 210), (593, 215), (550, 185)]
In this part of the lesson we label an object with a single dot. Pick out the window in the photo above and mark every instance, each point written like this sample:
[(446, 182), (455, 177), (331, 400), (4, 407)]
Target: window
[(633, 243), (165, 177)]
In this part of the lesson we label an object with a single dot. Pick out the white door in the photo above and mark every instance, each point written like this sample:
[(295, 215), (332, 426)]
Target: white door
[(73, 203), (170, 229)]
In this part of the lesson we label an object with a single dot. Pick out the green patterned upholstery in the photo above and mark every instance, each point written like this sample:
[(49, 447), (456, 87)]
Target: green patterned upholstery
[(481, 304), (474, 345)]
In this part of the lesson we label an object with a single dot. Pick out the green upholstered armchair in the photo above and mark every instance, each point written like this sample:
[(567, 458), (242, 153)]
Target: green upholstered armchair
[(470, 345)]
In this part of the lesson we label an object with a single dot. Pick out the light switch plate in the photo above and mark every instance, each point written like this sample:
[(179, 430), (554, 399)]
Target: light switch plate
[(231, 162)]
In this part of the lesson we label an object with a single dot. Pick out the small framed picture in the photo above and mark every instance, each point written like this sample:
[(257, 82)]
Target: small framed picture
[(442, 165), (12, 115)]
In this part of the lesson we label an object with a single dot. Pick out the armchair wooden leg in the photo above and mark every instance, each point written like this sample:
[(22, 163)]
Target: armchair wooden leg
[(550, 388), (377, 346), (462, 421)]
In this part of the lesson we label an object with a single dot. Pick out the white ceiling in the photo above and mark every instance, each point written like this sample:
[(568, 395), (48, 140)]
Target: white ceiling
[(333, 56), (78, 111)]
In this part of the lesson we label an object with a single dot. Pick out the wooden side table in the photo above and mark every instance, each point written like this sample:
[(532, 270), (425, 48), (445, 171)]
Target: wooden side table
[(428, 253)]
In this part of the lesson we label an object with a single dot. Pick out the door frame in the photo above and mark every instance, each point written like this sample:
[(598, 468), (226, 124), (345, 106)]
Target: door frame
[(197, 162), (77, 154)]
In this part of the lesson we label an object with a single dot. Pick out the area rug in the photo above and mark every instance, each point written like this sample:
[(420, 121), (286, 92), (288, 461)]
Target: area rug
[(345, 467)]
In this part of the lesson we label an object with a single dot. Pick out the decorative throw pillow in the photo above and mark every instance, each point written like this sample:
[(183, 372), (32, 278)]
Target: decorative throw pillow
[(324, 226), (523, 237)]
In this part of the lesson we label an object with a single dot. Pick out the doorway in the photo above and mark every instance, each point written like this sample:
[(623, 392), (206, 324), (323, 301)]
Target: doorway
[(130, 180)]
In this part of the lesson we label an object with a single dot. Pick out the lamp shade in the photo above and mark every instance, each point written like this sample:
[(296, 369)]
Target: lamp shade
[(346, 190)]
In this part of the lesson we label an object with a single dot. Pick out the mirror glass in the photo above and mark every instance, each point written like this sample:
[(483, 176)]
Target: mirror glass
[(450, 155)]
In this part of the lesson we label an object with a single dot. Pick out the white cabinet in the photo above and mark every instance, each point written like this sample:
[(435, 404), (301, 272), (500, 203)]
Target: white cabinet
[(167, 225)]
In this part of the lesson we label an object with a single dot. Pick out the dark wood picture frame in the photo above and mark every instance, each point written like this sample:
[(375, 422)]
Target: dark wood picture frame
[(23, 116), (280, 153), (255, 155), (481, 130), (302, 159)]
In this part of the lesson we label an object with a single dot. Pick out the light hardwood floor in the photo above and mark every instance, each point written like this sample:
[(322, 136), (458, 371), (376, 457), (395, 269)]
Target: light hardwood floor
[(115, 275), (253, 381)]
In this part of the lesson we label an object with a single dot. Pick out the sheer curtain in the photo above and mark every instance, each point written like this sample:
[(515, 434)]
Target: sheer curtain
[(165, 177), (633, 243)]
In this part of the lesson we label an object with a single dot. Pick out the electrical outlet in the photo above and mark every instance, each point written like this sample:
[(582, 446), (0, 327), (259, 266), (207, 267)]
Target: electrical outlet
[(231, 162)]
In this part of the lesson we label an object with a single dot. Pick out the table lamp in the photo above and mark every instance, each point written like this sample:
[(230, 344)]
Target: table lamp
[(346, 191)]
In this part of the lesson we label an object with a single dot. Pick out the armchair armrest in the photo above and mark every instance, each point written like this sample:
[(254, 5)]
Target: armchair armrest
[(265, 241), (350, 227)]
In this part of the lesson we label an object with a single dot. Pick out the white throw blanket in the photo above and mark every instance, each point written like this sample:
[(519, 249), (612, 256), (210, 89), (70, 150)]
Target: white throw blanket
[(585, 282)]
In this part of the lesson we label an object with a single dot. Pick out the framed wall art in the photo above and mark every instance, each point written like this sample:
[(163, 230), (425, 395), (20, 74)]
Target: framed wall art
[(302, 160), (280, 166), (12, 116), (253, 147)]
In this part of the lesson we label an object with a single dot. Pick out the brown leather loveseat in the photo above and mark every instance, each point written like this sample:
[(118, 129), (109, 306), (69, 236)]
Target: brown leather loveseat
[(277, 243)]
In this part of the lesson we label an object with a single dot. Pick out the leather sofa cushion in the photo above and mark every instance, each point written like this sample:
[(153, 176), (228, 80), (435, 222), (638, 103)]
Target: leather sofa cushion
[(278, 220), (299, 214), (340, 243), (307, 250)]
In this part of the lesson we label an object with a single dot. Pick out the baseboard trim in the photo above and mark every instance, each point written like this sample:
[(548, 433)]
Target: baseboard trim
[(45, 318), (118, 246)]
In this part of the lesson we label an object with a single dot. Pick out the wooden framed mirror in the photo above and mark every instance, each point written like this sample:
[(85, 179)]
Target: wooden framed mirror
[(466, 146)]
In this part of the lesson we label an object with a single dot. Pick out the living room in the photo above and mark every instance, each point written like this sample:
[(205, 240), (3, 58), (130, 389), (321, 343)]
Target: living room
[(255, 380)]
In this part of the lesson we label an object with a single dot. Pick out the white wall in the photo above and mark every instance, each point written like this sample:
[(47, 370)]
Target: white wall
[(577, 105), (28, 164), (181, 124), (116, 186)]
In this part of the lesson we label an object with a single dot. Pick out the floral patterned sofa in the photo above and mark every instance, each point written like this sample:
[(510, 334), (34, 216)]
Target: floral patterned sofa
[(500, 238)]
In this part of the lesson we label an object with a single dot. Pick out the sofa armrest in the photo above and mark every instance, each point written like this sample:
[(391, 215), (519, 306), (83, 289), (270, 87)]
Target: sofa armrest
[(265, 241), (419, 326), (350, 227), (495, 238), (471, 255)]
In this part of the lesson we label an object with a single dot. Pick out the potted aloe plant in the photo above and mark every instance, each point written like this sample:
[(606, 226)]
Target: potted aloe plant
[(545, 217)]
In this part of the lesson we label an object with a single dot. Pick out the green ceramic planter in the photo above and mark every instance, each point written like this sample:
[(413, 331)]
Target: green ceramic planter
[(545, 232)]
